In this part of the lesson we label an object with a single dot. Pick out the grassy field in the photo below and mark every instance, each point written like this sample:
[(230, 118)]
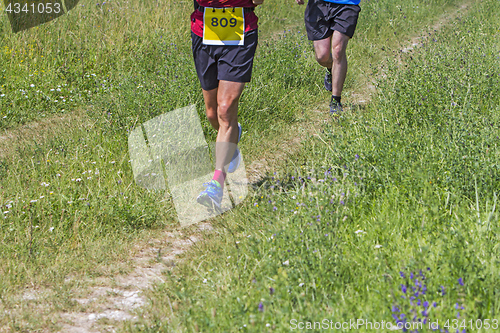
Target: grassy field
[(388, 214), (405, 184)]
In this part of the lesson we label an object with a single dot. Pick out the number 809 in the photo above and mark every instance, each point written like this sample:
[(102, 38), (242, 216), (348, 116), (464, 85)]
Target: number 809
[(223, 22)]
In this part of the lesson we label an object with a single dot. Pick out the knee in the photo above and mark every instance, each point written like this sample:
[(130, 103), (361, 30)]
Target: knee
[(227, 111), (212, 116), (338, 53), (323, 58), (211, 112)]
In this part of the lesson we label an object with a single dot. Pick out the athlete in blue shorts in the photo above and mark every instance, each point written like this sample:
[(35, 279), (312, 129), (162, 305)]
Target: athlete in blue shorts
[(330, 24)]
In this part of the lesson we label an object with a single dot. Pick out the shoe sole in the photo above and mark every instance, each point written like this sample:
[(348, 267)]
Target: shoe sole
[(233, 169), (236, 153), (208, 202), (328, 84)]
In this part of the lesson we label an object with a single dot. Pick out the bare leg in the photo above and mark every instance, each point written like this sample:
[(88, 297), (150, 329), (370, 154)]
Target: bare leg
[(224, 118), (331, 53), (323, 52), (339, 59), (210, 97)]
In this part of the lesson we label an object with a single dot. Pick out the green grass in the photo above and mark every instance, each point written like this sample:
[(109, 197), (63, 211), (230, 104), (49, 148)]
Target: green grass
[(407, 185), (121, 64)]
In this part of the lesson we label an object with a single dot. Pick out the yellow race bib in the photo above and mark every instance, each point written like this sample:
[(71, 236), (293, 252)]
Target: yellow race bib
[(223, 26)]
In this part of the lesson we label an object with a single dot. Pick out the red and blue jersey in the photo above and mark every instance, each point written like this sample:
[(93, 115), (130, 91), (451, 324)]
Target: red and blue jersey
[(197, 16), (344, 2)]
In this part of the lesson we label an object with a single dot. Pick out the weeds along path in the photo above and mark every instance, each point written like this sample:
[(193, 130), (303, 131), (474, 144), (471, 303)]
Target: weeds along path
[(363, 94), (103, 304)]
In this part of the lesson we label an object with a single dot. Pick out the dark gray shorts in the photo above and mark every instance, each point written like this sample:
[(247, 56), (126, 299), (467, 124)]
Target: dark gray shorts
[(224, 62), (322, 18)]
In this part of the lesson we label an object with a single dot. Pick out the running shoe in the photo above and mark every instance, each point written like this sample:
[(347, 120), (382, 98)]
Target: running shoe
[(236, 160), (328, 80), (335, 107), (211, 196)]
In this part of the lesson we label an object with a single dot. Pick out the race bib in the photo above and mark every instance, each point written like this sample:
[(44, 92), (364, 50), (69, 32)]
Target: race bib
[(223, 26)]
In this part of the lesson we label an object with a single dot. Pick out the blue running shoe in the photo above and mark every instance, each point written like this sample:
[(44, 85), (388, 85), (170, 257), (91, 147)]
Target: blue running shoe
[(236, 160), (211, 197), (335, 108)]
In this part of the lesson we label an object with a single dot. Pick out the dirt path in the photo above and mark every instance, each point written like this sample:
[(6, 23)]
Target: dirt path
[(110, 301)]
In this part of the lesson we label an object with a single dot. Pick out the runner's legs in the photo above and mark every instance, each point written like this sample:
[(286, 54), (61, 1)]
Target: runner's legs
[(331, 53), (222, 111)]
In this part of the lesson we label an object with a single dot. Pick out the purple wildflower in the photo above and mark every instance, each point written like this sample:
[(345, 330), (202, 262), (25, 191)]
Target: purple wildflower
[(261, 307)]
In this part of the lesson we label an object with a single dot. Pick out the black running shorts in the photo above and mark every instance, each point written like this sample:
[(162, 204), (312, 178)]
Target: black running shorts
[(322, 18), (224, 62)]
